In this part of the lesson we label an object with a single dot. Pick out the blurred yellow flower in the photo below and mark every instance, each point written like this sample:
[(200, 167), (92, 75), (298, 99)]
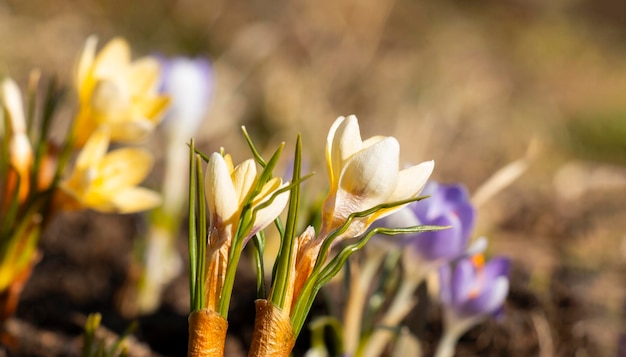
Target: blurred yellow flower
[(364, 174), (107, 182), (117, 93)]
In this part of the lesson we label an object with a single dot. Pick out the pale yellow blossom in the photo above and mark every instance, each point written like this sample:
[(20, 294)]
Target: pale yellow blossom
[(107, 181), (117, 93)]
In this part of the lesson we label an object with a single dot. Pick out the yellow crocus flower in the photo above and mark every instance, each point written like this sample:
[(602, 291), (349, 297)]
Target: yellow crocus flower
[(106, 181), (117, 93)]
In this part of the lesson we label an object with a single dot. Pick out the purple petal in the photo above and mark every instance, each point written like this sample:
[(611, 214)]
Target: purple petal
[(497, 267), (489, 300), (463, 281), (422, 208), (444, 244), (467, 218)]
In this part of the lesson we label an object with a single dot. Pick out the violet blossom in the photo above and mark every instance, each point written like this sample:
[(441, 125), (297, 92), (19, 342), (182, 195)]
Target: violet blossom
[(470, 292)]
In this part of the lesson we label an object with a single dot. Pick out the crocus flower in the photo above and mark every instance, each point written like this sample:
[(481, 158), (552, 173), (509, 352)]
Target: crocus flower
[(117, 93), (364, 174), (189, 83), (228, 189), (20, 150), (470, 292), (107, 182)]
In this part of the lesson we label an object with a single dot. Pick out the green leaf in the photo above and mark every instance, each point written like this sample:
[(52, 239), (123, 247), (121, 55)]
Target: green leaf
[(283, 261)]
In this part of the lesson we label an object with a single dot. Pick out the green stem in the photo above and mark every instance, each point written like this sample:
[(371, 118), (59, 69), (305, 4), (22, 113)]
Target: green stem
[(193, 238), (281, 279)]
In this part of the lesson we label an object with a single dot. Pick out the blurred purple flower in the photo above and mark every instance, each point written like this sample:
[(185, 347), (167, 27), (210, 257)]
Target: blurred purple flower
[(448, 205), (473, 289), (189, 82)]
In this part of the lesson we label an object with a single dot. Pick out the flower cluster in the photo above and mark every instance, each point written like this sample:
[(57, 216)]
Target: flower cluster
[(468, 295), (366, 184), (117, 101)]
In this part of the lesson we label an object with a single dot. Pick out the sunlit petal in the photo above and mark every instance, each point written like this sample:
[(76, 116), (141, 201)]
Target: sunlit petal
[(220, 192), (135, 199), (244, 177), (125, 167)]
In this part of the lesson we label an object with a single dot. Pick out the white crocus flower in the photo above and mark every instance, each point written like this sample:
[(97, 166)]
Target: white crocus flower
[(227, 191), (364, 174), (20, 150)]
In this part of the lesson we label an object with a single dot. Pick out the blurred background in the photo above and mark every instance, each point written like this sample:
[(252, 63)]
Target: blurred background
[(470, 84)]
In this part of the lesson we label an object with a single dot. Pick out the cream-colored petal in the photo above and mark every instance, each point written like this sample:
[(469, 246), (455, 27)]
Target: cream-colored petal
[(372, 174), (143, 76), (135, 199), (21, 155), (347, 142), (244, 177), (371, 141), (125, 167), (411, 181), (94, 150), (220, 192), (332, 162), (113, 59), (11, 98), (268, 214), (85, 63)]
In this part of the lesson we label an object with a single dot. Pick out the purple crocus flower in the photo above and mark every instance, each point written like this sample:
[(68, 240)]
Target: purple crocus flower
[(448, 205), (473, 289), (470, 292)]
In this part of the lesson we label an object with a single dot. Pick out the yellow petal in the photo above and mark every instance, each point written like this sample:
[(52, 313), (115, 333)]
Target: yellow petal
[(131, 131), (144, 76), (135, 199), (229, 162), (113, 60), (151, 108), (85, 64), (110, 101), (268, 214), (268, 189), (93, 151), (124, 168), (244, 177)]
